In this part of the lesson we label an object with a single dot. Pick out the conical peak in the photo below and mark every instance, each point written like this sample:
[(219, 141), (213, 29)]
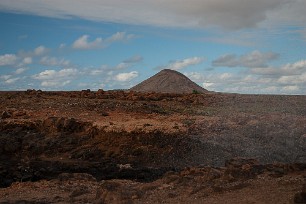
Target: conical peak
[(171, 72), (168, 81)]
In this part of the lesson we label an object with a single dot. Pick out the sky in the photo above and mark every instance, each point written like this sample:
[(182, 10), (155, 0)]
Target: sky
[(236, 46)]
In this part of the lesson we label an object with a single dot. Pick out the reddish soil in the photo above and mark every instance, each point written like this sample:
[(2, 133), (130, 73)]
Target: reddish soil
[(128, 147)]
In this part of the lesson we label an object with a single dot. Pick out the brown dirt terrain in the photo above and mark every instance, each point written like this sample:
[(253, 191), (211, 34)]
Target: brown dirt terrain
[(128, 147)]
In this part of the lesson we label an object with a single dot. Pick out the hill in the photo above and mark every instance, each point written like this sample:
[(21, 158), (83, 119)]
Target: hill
[(168, 81)]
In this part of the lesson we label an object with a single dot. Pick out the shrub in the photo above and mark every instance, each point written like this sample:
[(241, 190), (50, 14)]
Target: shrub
[(195, 92)]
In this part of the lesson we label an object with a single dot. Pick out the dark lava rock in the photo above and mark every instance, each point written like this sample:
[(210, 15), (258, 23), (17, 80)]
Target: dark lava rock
[(5, 115), (58, 124), (301, 196)]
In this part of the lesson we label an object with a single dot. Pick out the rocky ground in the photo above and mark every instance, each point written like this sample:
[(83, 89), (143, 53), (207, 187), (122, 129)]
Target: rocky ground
[(127, 147)]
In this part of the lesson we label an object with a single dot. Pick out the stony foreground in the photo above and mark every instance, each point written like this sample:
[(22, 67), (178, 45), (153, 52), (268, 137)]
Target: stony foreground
[(241, 181), (127, 147)]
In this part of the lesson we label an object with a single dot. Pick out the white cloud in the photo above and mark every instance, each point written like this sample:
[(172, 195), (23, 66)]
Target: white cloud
[(5, 77), (83, 42), (292, 80), (290, 69), (11, 80), (53, 78), (20, 70), (8, 59), (95, 72), (253, 59), (180, 64), (232, 14), (28, 55), (116, 37), (207, 84), (27, 60), (229, 82), (122, 65), (53, 61), (123, 77), (55, 83), (14, 60), (194, 76), (47, 74), (290, 88), (286, 79), (225, 76), (40, 50), (295, 68), (53, 74), (119, 36), (106, 69)]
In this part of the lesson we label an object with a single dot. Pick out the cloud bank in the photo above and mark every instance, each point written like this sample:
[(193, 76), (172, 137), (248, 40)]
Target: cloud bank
[(253, 59), (288, 78), (53, 78), (230, 14)]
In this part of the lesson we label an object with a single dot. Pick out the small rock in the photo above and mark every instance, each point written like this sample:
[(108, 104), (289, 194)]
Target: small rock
[(300, 197), (76, 177), (100, 92), (5, 115), (124, 166), (103, 113), (134, 197), (19, 113)]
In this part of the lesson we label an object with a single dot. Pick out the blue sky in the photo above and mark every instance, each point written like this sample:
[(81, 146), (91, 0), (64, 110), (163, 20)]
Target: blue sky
[(239, 46)]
